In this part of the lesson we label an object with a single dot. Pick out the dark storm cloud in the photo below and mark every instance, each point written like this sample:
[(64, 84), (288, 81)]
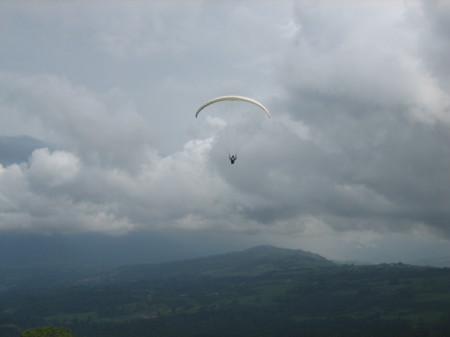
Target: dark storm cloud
[(377, 157), (434, 41)]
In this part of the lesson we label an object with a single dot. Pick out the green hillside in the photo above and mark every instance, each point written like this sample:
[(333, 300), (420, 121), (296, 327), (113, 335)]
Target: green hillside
[(264, 291), (251, 262)]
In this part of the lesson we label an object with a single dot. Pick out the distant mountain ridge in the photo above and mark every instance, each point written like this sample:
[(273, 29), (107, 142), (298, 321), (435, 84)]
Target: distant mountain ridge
[(263, 257), (249, 262)]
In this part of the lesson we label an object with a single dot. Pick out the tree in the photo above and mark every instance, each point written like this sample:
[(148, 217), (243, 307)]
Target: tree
[(47, 331)]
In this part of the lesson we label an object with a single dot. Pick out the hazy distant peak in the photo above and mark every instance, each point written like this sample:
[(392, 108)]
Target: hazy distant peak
[(265, 248), (270, 251), (259, 259), (250, 262)]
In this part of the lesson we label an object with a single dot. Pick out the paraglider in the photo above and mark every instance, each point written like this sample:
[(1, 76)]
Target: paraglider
[(231, 111), (232, 158)]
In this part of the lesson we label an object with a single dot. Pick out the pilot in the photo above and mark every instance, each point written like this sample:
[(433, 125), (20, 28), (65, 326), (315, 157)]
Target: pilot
[(232, 158)]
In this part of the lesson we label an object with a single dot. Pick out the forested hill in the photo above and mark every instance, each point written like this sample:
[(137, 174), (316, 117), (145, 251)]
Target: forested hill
[(251, 262), (263, 291)]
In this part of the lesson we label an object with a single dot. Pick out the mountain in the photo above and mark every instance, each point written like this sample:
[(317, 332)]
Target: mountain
[(250, 262), (262, 291)]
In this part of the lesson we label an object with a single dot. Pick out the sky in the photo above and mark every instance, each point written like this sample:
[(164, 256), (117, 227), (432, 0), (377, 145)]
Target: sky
[(98, 135)]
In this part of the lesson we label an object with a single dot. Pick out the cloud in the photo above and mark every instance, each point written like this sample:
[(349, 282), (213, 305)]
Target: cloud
[(52, 169), (377, 122), (57, 191), (40, 196), (149, 29), (357, 142), (433, 44), (104, 129)]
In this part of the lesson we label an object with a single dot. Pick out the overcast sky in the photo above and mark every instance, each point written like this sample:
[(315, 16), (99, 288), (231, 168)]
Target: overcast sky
[(97, 127)]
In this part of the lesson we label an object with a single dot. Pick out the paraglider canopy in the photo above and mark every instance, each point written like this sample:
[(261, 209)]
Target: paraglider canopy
[(233, 98)]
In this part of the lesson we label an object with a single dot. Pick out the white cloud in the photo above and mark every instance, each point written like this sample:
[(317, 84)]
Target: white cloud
[(52, 169)]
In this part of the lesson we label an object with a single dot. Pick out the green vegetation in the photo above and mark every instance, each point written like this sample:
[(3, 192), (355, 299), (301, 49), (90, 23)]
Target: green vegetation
[(264, 291), (47, 331)]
